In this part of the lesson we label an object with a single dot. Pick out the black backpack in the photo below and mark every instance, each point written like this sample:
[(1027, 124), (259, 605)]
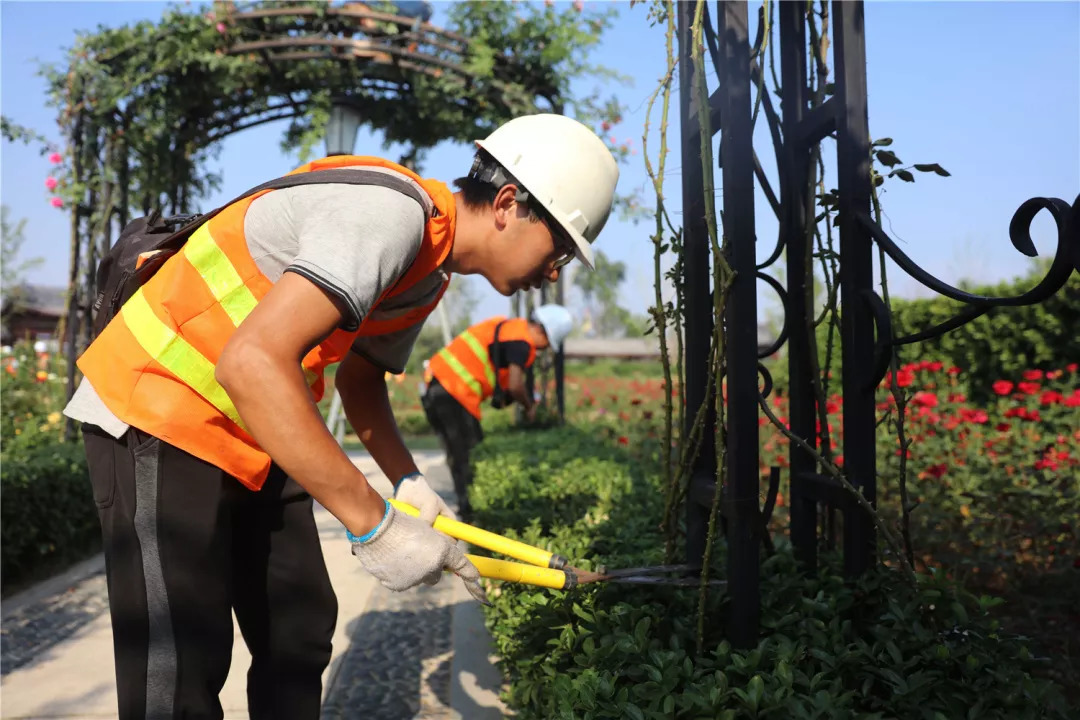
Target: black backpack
[(157, 238)]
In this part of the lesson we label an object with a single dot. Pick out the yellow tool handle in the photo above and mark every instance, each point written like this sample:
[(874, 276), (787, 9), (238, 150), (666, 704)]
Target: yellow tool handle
[(521, 573), (489, 540)]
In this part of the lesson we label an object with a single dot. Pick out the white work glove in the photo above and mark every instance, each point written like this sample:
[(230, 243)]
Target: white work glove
[(403, 551), (414, 489)]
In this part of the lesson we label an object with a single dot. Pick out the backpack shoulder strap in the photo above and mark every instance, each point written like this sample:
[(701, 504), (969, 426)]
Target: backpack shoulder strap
[(343, 176)]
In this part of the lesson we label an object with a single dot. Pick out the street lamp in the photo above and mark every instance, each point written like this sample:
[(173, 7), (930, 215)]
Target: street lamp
[(342, 127)]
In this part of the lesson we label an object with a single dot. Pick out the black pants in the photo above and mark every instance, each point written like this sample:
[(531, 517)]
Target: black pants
[(186, 545), (459, 433)]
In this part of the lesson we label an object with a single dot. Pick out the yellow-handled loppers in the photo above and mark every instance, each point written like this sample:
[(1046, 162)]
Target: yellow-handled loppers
[(545, 568)]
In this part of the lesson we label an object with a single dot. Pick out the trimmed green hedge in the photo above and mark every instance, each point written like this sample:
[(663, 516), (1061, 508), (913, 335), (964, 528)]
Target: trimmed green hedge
[(828, 649), (47, 513)]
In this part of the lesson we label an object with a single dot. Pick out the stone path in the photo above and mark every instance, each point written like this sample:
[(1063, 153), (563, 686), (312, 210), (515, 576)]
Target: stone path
[(419, 654)]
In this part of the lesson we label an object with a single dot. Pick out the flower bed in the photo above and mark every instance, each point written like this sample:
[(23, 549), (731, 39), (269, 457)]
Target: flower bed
[(47, 514), (828, 649)]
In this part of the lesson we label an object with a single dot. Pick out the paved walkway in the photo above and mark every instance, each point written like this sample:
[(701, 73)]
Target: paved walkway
[(418, 654)]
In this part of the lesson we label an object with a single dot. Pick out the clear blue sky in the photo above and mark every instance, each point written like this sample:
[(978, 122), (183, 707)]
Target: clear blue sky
[(991, 91)]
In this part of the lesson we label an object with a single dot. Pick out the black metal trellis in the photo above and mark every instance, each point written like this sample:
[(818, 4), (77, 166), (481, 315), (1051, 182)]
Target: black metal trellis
[(866, 335)]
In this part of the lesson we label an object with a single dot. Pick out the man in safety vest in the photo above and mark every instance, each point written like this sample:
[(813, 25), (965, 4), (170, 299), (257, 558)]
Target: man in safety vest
[(203, 438), (488, 360)]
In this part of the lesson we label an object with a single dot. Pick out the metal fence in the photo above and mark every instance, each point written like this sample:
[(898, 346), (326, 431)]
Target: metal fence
[(867, 341)]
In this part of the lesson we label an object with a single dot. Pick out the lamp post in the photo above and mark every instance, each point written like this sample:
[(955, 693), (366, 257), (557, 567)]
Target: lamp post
[(342, 127)]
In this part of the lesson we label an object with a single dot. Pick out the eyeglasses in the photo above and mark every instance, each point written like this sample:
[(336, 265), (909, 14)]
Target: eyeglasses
[(563, 243)]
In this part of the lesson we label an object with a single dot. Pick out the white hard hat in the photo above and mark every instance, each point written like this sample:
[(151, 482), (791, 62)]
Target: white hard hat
[(556, 321), (565, 167)]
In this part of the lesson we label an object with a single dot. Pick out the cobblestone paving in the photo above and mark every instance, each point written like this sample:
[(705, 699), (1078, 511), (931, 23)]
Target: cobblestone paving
[(397, 666), (31, 630)]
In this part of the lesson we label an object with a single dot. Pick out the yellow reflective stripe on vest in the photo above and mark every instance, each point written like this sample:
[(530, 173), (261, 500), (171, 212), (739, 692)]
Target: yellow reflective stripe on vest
[(219, 274), (223, 281), (459, 370), (176, 354), (481, 355)]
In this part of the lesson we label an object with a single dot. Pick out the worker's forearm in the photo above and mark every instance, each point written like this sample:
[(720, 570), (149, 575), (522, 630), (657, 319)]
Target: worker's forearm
[(367, 406), (278, 411), (520, 394)]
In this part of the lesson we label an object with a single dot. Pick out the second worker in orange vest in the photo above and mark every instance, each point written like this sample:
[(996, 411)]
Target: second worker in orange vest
[(204, 441), (489, 360)]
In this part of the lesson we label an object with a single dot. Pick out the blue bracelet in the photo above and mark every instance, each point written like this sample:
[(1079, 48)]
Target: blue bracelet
[(368, 535), (406, 477)]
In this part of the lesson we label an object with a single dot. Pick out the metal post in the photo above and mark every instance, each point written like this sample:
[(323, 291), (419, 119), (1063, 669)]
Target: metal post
[(744, 532), (698, 320), (856, 277), (793, 194)]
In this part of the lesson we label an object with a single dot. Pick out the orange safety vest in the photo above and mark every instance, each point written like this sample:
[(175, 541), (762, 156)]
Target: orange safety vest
[(153, 364), (464, 367)]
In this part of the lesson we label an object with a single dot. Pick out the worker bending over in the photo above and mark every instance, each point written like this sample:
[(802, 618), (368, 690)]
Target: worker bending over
[(203, 438), (489, 360)]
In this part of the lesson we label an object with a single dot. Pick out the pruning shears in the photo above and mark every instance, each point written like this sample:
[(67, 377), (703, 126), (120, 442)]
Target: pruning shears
[(544, 568)]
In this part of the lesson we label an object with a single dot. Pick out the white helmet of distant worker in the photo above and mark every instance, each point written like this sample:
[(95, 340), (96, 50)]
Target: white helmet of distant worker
[(556, 321), (565, 167)]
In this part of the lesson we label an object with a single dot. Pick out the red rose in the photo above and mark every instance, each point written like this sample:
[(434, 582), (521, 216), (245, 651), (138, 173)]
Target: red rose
[(1028, 388), (905, 378), (957, 397), (1003, 387), (1045, 465), (1071, 367), (1033, 374), (954, 370), (623, 440), (1049, 397), (925, 399), (937, 470), (1002, 427), (935, 366)]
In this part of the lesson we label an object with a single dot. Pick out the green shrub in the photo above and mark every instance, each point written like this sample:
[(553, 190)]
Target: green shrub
[(828, 648), (48, 517), (1004, 342), (1000, 344)]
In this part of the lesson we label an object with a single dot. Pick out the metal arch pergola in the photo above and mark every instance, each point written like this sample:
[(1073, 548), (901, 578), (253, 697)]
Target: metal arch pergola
[(385, 44), (867, 340), (373, 58)]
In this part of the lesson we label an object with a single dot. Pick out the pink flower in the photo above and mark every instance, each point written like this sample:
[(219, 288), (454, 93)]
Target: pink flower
[(56, 202), (51, 183), (221, 28), (579, 5), (56, 158)]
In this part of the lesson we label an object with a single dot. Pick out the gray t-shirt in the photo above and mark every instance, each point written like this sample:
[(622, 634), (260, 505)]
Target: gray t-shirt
[(354, 241)]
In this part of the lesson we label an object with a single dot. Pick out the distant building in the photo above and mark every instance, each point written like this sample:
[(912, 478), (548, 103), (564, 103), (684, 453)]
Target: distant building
[(34, 315)]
